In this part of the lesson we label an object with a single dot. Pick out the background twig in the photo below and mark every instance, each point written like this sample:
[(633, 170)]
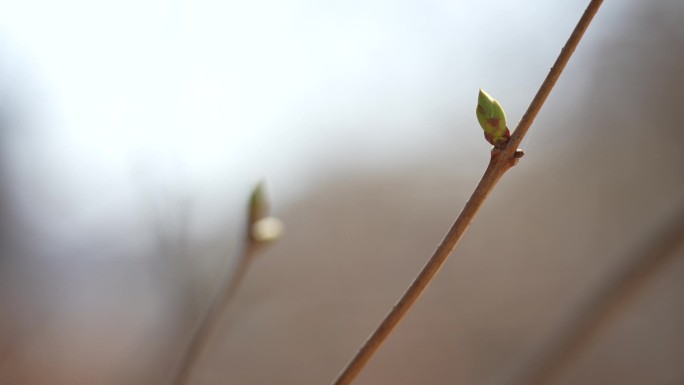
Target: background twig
[(260, 230), (228, 286), (602, 308), (500, 162)]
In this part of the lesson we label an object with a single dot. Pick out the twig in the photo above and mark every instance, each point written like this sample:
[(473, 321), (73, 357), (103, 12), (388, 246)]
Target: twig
[(260, 230), (228, 286), (605, 304), (499, 163)]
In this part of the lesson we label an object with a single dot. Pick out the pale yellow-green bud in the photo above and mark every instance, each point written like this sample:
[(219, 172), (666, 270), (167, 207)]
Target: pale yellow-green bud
[(492, 119)]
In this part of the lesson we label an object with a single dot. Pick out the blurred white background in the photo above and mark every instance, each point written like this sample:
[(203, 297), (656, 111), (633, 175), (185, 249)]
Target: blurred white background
[(208, 97)]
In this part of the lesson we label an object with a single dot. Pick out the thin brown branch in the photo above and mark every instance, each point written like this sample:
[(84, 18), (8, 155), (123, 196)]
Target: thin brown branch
[(261, 229), (500, 162), (606, 304), (224, 294), (554, 74)]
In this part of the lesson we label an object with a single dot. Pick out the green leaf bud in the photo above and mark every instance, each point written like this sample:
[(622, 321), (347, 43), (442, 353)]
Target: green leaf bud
[(492, 119)]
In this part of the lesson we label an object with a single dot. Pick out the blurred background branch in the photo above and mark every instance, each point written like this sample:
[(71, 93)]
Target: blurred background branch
[(260, 230), (608, 302)]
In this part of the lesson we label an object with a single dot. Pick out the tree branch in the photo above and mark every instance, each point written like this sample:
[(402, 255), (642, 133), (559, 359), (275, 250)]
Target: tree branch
[(261, 229), (225, 292), (500, 162), (607, 302)]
